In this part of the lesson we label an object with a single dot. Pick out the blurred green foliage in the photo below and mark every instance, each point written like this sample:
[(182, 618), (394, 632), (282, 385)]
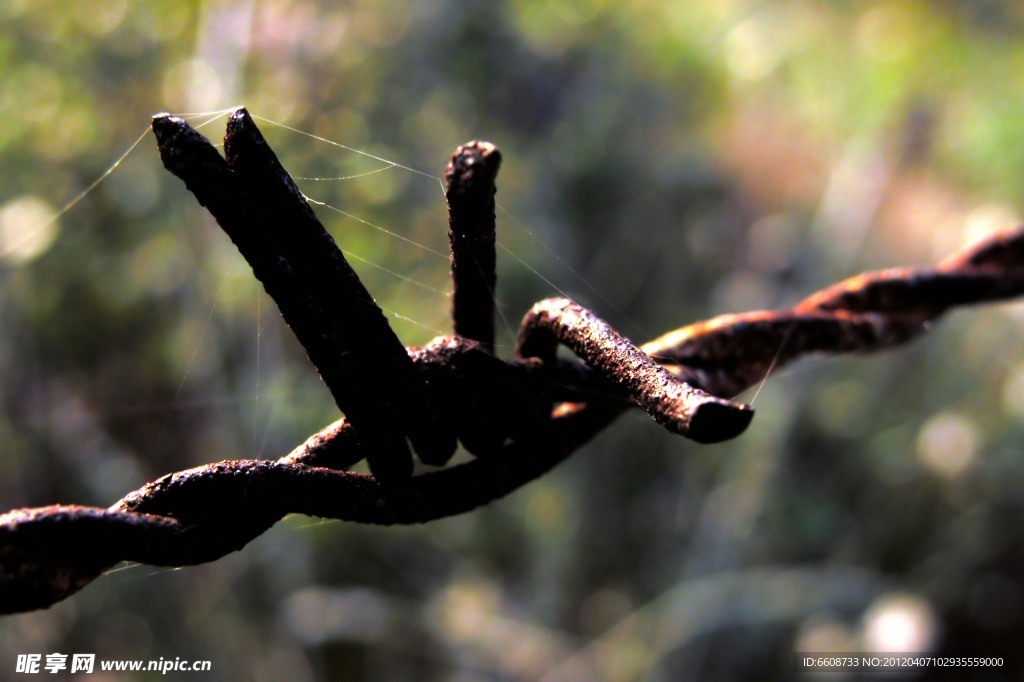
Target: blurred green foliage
[(664, 162)]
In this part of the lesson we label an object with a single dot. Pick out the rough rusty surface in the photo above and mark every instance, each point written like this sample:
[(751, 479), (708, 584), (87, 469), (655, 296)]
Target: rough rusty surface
[(672, 403), (522, 417), (470, 189), (202, 514), (866, 313)]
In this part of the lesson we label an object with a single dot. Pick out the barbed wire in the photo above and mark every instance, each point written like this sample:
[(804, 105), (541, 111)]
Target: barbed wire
[(521, 417)]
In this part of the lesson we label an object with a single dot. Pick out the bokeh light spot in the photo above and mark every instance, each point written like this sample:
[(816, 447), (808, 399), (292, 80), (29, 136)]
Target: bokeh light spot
[(947, 444), (902, 623), (28, 226)]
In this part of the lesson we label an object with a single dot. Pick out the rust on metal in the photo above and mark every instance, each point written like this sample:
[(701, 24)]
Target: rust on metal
[(470, 189), (522, 416)]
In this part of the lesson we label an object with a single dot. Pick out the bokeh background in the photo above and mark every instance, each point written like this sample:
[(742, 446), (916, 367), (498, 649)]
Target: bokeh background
[(663, 162)]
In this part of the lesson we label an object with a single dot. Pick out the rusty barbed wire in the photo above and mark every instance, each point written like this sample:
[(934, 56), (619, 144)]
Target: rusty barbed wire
[(521, 417)]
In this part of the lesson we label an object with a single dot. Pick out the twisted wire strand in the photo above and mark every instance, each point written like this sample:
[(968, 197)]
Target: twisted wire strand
[(199, 515), (869, 312)]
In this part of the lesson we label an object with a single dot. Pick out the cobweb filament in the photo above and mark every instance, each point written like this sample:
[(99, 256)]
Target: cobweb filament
[(31, 233), (396, 275), (357, 176), (188, 370), (352, 149), (78, 198), (561, 262), (259, 368), (390, 165), (775, 360), (375, 226)]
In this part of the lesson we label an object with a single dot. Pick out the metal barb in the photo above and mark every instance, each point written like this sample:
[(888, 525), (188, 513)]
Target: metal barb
[(470, 190)]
